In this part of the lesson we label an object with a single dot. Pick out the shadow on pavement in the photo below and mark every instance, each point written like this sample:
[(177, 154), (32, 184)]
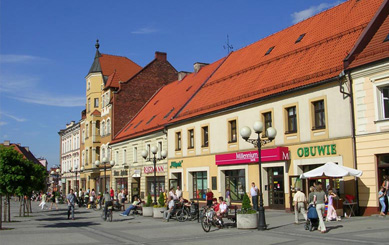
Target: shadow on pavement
[(65, 212), (276, 227), (64, 217), (329, 228), (71, 223)]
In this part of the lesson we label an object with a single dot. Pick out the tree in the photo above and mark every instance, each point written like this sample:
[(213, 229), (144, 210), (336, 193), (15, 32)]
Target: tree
[(246, 205)]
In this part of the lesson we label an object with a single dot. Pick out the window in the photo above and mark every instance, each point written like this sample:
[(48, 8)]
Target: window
[(232, 131), (269, 50), (88, 85), (148, 149), (159, 149), (385, 102), (204, 134), (190, 139), (135, 154), (96, 102), (160, 187), (387, 38), (319, 120), (292, 120), (102, 128), (178, 141), (89, 105), (124, 156), (103, 101), (300, 38), (268, 121), (235, 182), (116, 156), (87, 131), (102, 153), (108, 126), (200, 184)]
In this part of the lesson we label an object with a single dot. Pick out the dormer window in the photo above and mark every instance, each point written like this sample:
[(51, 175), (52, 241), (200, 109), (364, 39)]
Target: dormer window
[(300, 38), (270, 49), (387, 38)]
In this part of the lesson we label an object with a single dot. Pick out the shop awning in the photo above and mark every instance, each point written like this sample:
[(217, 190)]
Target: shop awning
[(331, 169)]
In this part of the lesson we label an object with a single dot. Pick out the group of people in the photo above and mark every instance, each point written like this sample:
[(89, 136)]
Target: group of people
[(383, 195), (318, 198), (44, 198)]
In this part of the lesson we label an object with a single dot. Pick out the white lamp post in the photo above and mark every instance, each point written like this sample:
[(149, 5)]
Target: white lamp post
[(106, 164)]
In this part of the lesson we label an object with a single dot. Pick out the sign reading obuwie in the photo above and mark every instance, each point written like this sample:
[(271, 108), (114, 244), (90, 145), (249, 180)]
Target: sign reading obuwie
[(318, 150)]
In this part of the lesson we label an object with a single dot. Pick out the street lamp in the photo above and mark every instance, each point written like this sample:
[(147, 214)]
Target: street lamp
[(271, 133), (56, 174), (104, 164), (76, 171), (154, 159)]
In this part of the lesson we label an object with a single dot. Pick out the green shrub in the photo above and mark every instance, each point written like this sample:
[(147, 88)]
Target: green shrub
[(161, 200), (149, 201), (246, 206)]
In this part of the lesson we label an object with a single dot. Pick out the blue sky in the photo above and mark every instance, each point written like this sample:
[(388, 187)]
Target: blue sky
[(47, 48)]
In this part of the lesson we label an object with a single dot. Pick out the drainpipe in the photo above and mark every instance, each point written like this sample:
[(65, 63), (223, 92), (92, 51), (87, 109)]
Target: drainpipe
[(347, 76)]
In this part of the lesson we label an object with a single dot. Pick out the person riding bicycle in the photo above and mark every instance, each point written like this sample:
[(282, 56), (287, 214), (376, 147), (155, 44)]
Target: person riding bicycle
[(107, 203)]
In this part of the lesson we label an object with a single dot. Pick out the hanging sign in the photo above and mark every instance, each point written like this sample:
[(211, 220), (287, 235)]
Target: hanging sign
[(176, 164)]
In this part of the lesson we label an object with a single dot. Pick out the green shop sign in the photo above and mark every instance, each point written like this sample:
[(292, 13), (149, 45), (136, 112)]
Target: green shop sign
[(322, 150), (176, 164)]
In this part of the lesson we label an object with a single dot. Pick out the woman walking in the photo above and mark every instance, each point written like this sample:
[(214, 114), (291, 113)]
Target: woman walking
[(381, 196), (320, 199)]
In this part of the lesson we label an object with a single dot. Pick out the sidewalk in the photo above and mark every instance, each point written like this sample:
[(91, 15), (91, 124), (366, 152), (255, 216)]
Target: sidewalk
[(52, 227)]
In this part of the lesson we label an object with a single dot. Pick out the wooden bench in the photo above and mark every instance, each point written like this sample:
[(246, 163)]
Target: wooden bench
[(231, 214)]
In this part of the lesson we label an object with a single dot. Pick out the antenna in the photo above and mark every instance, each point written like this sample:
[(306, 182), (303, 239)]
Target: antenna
[(228, 46)]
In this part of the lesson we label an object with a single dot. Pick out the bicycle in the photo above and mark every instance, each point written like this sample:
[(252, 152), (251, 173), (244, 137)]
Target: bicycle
[(210, 219), (109, 214)]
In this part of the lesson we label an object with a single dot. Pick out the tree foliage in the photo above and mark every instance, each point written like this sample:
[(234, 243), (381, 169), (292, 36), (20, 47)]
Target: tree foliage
[(246, 205), (149, 201)]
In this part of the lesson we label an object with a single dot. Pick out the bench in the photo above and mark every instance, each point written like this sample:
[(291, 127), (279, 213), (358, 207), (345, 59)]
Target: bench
[(231, 214)]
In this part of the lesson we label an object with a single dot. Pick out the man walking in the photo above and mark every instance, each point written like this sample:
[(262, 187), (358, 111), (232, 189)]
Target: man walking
[(71, 198), (254, 196), (300, 202)]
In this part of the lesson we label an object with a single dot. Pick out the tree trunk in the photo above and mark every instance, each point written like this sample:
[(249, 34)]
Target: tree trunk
[(9, 207), (1, 212), (24, 206), (20, 207), (27, 204), (30, 205)]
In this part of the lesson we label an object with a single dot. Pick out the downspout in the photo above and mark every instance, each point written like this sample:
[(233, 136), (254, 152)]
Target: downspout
[(346, 75)]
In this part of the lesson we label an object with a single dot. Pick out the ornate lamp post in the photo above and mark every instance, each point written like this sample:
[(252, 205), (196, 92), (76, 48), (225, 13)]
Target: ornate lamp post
[(154, 159), (106, 164), (56, 174), (76, 171), (271, 133)]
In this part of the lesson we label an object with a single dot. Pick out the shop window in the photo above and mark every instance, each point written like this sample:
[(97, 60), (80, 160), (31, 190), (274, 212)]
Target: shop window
[(382, 167), (121, 184), (291, 120), (178, 141), (319, 115), (160, 185), (232, 136), (267, 121), (200, 184), (190, 139), (204, 136), (236, 183)]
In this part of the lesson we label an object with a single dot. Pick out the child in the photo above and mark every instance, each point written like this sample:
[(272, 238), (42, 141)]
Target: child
[(381, 196), (331, 212), (43, 201)]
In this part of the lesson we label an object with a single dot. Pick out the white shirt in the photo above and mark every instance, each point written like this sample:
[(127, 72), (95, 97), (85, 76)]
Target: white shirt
[(223, 207), (171, 193), (254, 191), (171, 204), (299, 197), (178, 193)]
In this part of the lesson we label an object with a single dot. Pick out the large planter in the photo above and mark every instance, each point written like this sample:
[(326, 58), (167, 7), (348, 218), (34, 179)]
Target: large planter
[(147, 211), (247, 221), (158, 212)]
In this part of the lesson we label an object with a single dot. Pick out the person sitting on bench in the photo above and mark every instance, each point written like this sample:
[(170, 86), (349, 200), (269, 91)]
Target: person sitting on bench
[(133, 206)]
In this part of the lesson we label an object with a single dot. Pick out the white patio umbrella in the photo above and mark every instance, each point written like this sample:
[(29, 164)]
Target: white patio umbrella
[(331, 169)]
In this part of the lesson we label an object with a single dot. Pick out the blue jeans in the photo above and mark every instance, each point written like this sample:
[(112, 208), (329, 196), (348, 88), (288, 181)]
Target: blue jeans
[(71, 210), (383, 206), (128, 210), (255, 202)]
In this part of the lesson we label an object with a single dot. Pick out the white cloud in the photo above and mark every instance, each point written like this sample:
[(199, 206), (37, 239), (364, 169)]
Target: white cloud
[(2, 123), (16, 118), (306, 13), (26, 89), (16, 58), (145, 30)]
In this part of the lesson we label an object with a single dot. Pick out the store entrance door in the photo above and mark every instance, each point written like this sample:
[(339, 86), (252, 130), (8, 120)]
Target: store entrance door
[(176, 181), (276, 188), (135, 188)]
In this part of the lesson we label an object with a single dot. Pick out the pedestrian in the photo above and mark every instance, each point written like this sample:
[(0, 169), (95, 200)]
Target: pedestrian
[(331, 212), (172, 194), (254, 195), (320, 199), (170, 210), (228, 197), (381, 197), (52, 199), (209, 197), (43, 200), (178, 192), (385, 184), (112, 193), (311, 194), (71, 198), (300, 203)]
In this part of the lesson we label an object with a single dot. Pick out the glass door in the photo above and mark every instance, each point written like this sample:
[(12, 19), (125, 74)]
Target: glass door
[(276, 188)]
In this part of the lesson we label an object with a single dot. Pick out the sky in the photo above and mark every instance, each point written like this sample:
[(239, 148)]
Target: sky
[(48, 46)]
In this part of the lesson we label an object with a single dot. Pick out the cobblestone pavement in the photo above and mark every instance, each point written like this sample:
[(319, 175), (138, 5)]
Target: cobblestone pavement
[(53, 227)]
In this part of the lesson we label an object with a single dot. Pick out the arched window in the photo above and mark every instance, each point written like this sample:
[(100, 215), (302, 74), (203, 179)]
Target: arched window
[(102, 128)]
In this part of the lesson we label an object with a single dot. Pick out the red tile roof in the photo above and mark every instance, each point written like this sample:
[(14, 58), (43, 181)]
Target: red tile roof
[(372, 47), (96, 113), (25, 151), (120, 65), (248, 74), (165, 104)]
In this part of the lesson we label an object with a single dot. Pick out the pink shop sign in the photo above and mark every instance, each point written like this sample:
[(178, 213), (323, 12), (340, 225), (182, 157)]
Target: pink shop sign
[(268, 155), (148, 170)]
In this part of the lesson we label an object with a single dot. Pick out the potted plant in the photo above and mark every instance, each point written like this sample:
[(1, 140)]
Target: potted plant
[(160, 207), (147, 209), (247, 218)]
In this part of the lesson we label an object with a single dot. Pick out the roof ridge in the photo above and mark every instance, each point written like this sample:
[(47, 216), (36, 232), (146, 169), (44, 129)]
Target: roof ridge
[(269, 88), (120, 56), (295, 51)]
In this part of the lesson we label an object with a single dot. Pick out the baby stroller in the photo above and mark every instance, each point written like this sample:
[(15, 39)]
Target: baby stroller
[(312, 218)]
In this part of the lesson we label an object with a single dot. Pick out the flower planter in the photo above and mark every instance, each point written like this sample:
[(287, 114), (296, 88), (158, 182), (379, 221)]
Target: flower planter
[(247, 221), (158, 212), (147, 211)]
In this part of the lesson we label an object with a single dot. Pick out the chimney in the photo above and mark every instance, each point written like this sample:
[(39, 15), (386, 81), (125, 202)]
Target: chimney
[(198, 65), (182, 75), (161, 56), (7, 142)]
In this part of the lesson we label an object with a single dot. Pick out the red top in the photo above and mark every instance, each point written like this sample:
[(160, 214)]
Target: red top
[(111, 193), (216, 207), (209, 195)]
